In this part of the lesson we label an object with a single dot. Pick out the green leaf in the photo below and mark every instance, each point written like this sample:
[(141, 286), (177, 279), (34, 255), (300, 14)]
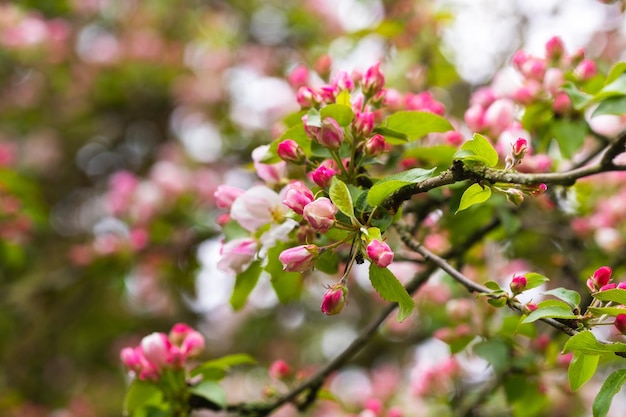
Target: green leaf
[(313, 118), (616, 295), (554, 303), (440, 155), (611, 386), (580, 100), (478, 149), (475, 194), (328, 262), (390, 289), (581, 369), (613, 105), (586, 342), (244, 284), (611, 311), (340, 196), (391, 136), (496, 352), (534, 280), (340, 112), (228, 361), (388, 185), (493, 286), (570, 297), (141, 394), (615, 88), (287, 285), (344, 98), (570, 135), (211, 391), (554, 312), (295, 133), (616, 71), (416, 124)]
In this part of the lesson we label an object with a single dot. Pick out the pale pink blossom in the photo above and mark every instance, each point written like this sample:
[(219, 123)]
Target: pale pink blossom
[(193, 344), (157, 348), (225, 195), (553, 80), (237, 255), (270, 173), (499, 116), (297, 196), (257, 207)]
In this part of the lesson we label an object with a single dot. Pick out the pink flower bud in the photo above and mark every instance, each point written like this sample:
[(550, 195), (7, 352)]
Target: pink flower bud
[(307, 97), (193, 344), (156, 348), (297, 196), (519, 59), (178, 333), (453, 137), (499, 116), (299, 76), (553, 80), (519, 148), (328, 93), (608, 287), (323, 175), (373, 80), (376, 145), (299, 259), (562, 104), (323, 65), (602, 276), (271, 173), (331, 134), (620, 323), (343, 81), (586, 69), (334, 300), (310, 130), (531, 307), (132, 359), (225, 195), (363, 123), (380, 253), (475, 118), (320, 214), (518, 284), (483, 97), (289, 150), (534, 68), (554, 49), (621, 286), (279, 369), (237, 255)]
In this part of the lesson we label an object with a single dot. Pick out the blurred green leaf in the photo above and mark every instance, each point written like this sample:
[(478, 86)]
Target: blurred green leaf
[(287, 285), (244, 284), (570, 135), (141, 394), (616, 71), (580, 100), (613, 105), (496, 352), (211, 391)]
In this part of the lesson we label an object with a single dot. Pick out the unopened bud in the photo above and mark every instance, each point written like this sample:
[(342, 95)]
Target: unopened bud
[(334, 299), (554, 49), (363, 124), (297, 196), (586, 69), (376, 145), (518, 284), (373, 80), (307, 97), (299, 259), (323, 175), (602, 276), (380, 253), (280, 369), (289, 150), (320, 214), (331, 134)]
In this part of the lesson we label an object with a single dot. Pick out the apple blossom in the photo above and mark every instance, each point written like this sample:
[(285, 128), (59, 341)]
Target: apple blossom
[(237, 255), (297, 196), (320, 214), (299, 258)]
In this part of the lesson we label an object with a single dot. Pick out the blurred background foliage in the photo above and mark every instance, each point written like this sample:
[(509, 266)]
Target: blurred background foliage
[(175, 95)]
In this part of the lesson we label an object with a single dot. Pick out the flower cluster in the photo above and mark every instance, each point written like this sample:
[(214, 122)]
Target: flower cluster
[(160, 351)]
